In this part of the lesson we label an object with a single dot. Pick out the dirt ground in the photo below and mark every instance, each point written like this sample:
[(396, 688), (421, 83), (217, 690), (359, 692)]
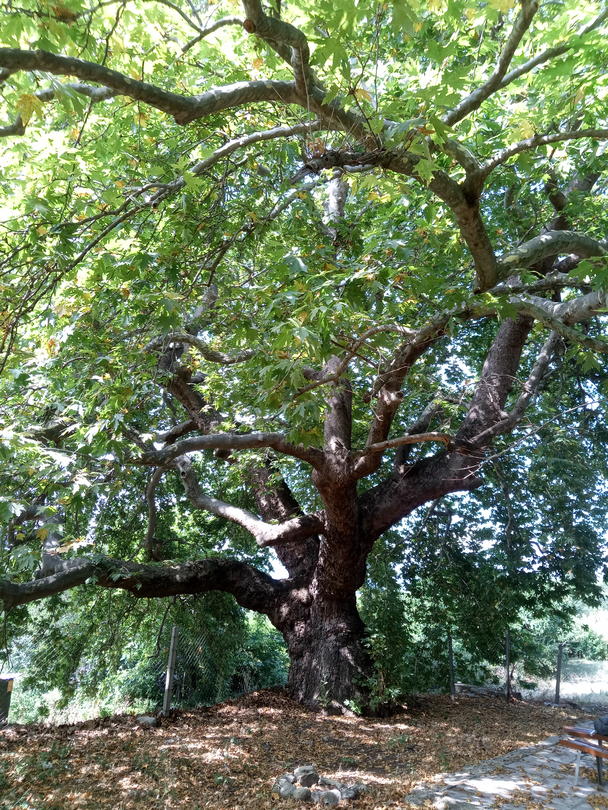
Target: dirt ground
[(228, 756)]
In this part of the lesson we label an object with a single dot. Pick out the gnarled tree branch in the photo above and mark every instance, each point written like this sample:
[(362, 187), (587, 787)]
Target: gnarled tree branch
[(549, 244), (251, 588), (233, 441), (184, 109), (289, 42), (211, 355), (478, 96), (265, 534)]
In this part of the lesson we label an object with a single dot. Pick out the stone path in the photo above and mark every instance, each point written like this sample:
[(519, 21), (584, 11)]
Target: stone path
[(541, 776)]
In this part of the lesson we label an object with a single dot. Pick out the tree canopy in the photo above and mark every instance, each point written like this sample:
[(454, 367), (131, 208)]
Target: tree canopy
[(274, 277)]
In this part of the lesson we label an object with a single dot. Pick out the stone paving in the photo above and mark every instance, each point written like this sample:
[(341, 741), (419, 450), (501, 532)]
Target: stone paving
[(541, 776)]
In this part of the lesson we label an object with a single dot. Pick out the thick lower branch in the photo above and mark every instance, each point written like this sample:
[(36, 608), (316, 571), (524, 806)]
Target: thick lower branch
[(529, 390), (251, 588), (497, 377), (150, 543), (428, 479), (337, 426), (276, 502)]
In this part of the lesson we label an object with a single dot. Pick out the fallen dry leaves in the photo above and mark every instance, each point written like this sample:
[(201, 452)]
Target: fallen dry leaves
[(226, 757)]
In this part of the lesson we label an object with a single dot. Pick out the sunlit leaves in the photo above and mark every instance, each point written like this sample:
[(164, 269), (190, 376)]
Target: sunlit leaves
[(502, 5), (289, 286), (27, 105)]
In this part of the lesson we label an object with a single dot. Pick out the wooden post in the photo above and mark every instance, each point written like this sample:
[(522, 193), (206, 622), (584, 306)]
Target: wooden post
[(6, 688), (558, 672), (452, 667), (508, 665), (170, 671)]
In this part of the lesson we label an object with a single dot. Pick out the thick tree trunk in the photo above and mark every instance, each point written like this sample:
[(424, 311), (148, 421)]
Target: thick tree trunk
[(329, 665)]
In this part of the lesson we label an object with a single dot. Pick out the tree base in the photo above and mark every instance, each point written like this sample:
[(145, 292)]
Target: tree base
[(330, 666)]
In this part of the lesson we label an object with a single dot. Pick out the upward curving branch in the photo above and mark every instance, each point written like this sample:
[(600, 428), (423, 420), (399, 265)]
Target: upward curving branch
[(205, 32), (539, 140), (266, 534), (551, 53), (493, 83), (386, 392)]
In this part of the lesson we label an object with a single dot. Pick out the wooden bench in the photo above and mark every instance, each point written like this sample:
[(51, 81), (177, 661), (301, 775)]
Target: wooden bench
[(586, 741)]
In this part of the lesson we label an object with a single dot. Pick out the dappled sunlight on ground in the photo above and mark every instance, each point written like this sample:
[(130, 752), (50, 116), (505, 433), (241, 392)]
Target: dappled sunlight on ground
[(227, 757), (539, 777)]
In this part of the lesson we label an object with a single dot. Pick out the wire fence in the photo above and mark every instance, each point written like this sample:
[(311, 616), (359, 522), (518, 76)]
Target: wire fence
[(193, 659), (192, 673), (203, 667)]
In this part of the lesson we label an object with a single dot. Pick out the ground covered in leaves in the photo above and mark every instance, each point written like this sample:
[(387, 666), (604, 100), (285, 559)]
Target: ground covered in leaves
[(228, 756)]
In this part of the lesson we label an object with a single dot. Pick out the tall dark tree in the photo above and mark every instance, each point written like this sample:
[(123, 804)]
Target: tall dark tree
[(314, 262)]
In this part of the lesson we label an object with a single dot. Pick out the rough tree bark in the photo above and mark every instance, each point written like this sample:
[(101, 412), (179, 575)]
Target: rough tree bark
[(329, 664)]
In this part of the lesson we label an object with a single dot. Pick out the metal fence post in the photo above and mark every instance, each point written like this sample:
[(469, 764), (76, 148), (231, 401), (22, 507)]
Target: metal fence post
[(508, 664), (170, 671), (558, 674), (451, 666)]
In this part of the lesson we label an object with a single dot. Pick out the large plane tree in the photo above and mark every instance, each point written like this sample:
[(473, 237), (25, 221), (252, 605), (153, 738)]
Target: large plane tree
[(278, 275)]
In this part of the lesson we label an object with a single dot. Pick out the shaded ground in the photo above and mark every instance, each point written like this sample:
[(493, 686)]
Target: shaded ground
[(227, 757)]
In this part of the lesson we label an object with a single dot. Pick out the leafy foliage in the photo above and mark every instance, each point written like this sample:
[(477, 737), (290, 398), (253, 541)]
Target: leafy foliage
[(107, 654)]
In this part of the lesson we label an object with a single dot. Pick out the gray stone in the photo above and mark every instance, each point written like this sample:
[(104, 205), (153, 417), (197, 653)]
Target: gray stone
[(284, 786), (304, 794), (286, 790), (302, 769), (309, 779), (351, 791), (329, 783), (146, 721), (600, 724), (330, 797)]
